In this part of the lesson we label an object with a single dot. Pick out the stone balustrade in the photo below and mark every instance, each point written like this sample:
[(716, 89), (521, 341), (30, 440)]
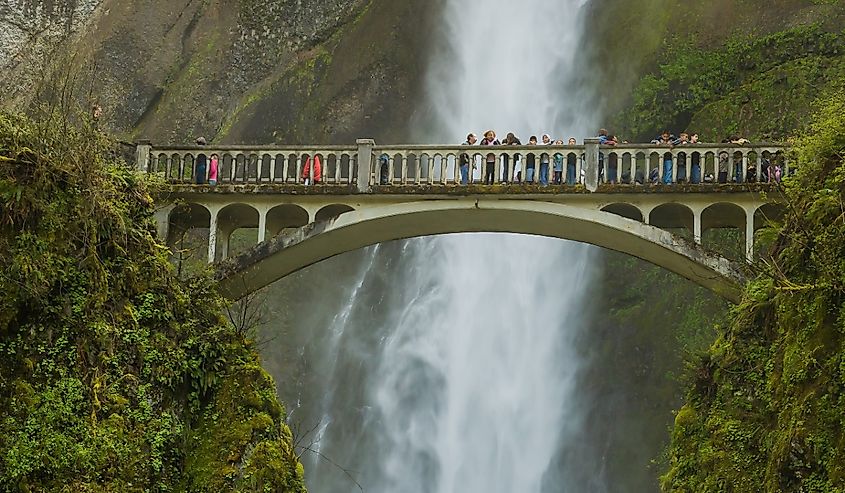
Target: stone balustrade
[(415, 165), (254, 164)]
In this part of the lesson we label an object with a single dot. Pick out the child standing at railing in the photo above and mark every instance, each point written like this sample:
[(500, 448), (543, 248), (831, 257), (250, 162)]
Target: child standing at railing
[(558, 167)]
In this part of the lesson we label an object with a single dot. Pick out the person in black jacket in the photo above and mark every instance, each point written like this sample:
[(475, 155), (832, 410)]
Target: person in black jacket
[(465, 160)]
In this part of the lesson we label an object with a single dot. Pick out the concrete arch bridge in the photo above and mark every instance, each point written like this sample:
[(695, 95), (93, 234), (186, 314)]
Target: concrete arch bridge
[(368, 194)]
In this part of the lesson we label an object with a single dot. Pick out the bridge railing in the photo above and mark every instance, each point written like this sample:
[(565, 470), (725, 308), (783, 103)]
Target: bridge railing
[(415, 165), (628, 163), (252, 164)]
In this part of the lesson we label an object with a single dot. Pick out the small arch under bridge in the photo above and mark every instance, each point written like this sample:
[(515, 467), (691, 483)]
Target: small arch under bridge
[(411, 191)]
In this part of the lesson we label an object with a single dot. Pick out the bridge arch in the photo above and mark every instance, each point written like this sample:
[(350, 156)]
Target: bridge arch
[(184, 217), (768, 212), (232, 218), (672, 216), (331, 211), (625, 210), (723, 215), (285, 216), (284, 254)]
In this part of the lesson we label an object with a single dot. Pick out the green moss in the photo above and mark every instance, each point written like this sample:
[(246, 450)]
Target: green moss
[(114, 374), (767, 407), (759, 87)]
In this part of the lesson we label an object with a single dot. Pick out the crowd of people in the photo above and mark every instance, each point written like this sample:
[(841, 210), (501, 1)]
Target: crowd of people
[(538, 167), (564, 167), (558, 167)]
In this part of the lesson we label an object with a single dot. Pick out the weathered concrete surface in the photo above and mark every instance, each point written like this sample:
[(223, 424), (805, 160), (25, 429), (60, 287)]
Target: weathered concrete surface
[(288, 253)]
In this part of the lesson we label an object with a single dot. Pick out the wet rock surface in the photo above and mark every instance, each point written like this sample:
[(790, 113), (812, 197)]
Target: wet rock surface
[(250, 71)]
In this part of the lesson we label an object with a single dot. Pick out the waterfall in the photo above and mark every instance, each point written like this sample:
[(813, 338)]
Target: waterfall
[(455, 369)]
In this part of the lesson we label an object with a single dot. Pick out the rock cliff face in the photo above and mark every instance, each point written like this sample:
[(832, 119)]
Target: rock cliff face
[(247, 70), (30, 32)]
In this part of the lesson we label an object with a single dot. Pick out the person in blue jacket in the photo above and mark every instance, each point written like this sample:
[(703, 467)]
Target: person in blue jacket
[(666, 139)]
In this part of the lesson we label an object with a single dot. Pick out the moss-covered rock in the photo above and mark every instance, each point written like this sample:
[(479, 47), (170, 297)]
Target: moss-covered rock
[(766, 404), (114, 374)]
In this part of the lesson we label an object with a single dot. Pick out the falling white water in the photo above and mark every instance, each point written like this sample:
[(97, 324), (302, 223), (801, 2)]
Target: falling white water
[(460, 374), (476, 384)]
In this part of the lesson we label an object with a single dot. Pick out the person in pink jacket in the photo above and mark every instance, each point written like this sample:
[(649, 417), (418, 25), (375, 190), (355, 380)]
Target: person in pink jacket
[(306, 170), (213, 164)]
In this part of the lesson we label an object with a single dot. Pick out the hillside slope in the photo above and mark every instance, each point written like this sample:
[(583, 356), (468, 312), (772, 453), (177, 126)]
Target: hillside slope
[(765, 407), (115, 375), (232, 71)]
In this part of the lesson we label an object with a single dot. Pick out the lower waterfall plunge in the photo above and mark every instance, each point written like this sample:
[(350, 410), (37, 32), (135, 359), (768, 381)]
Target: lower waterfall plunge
[(452, 365)]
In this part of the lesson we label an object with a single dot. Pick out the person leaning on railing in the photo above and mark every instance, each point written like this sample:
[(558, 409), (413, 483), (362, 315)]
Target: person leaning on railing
[(201, 163), (465, 159), (490, 160), (306, 170)]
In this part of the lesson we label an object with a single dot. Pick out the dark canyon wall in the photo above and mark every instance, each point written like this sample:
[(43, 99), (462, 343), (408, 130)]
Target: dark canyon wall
[(246, 71)]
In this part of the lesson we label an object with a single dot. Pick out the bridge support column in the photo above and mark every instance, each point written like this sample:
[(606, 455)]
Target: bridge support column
[(212, 236), (591, 164), (142, 156), (162, 217), (365, 163), (749, 236), (646, 210), (696, 228), (262, 225)]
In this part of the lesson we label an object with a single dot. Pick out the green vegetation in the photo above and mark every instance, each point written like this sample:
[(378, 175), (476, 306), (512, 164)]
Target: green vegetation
[(756, 86), (766, 404), (114, 374)]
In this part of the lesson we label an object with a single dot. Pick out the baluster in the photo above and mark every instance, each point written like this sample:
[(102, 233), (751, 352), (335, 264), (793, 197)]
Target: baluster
[(605, 166), (744, 171), (259, 166), (182, 168), (674, 157), (392, 168), (579, 166), (298, 170), (272, 168), (418, 169), (759, 171), (715, 173), (620, 161), (496, 165)]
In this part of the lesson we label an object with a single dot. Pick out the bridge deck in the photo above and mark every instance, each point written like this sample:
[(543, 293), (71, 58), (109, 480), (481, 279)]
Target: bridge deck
[(411, 189)]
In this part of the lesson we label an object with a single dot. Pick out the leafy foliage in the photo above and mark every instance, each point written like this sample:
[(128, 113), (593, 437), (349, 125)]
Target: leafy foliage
[(114, 375), (766, 405), (751, 76)]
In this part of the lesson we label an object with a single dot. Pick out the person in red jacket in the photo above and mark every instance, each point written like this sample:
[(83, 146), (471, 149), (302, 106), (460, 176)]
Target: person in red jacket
[(306, 170)]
